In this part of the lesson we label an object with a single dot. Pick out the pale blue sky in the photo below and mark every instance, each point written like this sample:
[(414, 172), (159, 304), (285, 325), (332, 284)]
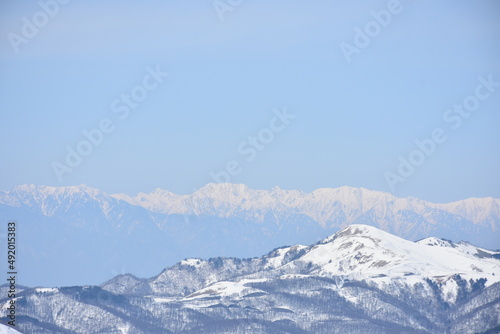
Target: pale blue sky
[(353, 120)]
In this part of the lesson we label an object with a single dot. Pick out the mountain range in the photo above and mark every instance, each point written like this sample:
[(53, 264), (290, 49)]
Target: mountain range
[(95, 235), (358, 280)]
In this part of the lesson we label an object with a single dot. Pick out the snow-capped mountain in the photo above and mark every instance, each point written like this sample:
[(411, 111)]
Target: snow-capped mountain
[(324, 206), (357, 252), (140, 234), (359, 280)]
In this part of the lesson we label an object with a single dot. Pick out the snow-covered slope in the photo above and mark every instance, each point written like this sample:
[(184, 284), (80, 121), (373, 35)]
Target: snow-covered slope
[(8, 330), (365, 253)]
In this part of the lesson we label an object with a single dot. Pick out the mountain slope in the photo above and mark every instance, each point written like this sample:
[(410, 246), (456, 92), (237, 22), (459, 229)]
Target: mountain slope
[(7, 330)]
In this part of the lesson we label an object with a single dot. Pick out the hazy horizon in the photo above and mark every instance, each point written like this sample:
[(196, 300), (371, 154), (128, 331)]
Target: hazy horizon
[(299, 95), (149, 191)]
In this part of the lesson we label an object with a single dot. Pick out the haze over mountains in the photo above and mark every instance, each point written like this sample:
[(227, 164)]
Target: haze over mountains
[(359, 280), (95, 235)]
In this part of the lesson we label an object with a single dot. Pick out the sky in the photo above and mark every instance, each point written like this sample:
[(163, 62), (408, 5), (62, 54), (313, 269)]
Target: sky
[(396, 96)]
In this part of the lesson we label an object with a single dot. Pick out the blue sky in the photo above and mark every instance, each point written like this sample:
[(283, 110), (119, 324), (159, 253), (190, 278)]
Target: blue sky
[(353, 120)]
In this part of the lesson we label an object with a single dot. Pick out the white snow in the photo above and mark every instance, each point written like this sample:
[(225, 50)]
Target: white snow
[(124, 329), (278, 260), (47, 290), (368, 253), (361, 252), (449, 290), (226, 288), (462, 246), (7, 330), (236, 200), (192, 262), (161, 300), (348, 296)]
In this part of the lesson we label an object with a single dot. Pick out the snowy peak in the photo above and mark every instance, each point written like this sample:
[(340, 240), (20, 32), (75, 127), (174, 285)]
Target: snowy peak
[(218, 190), (359, 252), (357, 230), (283, 255), (158, 200), (327, 206), (433, 241), (346, 194), (358, 249), (356, 253), (477, 209), (49, 199), (462, 246), (56, 191), (369, 253), (30, 192)]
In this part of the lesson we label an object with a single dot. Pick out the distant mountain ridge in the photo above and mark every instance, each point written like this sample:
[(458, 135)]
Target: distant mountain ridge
[(230, 200), (359, 280), (158, 228)]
